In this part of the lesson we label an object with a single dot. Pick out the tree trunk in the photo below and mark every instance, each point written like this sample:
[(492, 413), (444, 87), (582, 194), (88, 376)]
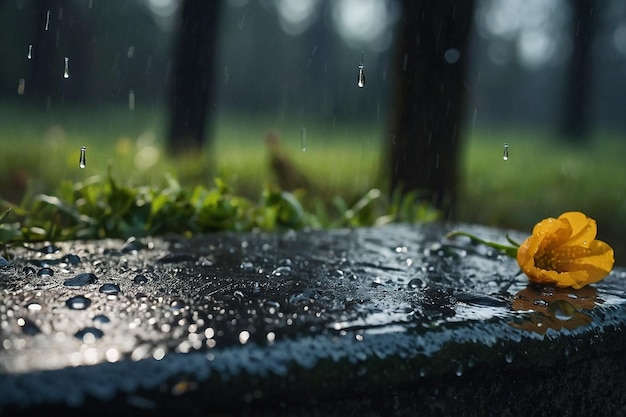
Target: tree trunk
[(429, 99), (575, 124), (192, 85)]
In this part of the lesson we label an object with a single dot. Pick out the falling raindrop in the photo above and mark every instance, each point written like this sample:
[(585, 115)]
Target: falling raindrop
[(21, 85), (505, 156), (82, 161), (66, 72), (303, 139), (30, 51), (131, 99), (47, 19), (360, 80), (78, 302)]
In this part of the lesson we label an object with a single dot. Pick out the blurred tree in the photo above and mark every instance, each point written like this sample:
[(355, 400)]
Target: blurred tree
[(192, 87), (578, 74), (429, 99)]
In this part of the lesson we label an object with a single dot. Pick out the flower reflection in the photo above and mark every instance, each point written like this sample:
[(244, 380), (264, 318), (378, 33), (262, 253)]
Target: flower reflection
[(553, 308)]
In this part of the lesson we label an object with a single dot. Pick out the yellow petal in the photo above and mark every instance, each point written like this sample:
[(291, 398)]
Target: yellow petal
[(584, 229)]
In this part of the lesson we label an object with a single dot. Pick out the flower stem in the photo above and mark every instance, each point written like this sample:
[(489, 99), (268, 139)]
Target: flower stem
[(505, 249)]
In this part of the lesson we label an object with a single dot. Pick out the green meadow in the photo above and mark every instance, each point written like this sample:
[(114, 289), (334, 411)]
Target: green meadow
[(543, 176)]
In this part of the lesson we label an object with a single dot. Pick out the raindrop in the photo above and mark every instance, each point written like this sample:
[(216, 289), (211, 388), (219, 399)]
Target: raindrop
[(3, 262), (30, 51), (82, 161), (27, 270), (505, 156), (33, 306), (78, 302), (131, 99), (101, 319), (28, 327), (360, 80), (177, 305), (452, 55), (415, 283), (89, 334), (47, 19), (508, 357), (110, 289), (66, 71), (244, 336), (45, 272), (71, 259), (303, 139), (540, 302), (21, 85), (459, 370), (81, 279), (140, 279)]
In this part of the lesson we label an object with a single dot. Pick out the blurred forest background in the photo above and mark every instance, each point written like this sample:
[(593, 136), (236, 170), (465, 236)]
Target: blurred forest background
[(546, 77)]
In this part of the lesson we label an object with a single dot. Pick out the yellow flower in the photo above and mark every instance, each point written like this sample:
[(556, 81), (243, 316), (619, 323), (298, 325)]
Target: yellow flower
[(564, 252)]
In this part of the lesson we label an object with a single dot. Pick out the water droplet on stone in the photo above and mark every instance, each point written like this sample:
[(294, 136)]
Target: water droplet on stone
[(110, 289), (28, 327), (82, 161), (81, 279), (78, 302), (28, 270), (101, 319), (415, 283), (71, 259), (89, 334), (3, 262), (140, 279), (45, 272)]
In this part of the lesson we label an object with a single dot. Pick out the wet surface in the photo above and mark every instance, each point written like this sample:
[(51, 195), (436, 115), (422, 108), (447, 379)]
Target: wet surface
[(274, 314)]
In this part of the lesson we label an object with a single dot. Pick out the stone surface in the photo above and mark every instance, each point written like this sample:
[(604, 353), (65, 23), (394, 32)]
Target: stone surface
[(380, 321)]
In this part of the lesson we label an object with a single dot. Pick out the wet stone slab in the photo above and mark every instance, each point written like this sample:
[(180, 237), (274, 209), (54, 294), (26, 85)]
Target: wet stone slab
[(380, 321)]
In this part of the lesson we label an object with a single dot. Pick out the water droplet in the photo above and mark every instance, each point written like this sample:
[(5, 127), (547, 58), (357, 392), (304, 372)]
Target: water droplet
[(540, 302), (3, 262), (110, 289), (78, 302), (415, 283), (82, 161), (81, 279), (45, 272), (71, 259), (28, 327), (27, 270), (101, 319), (21, 86), (303, 141), (177, 305), (47, 20), (244, 336), (140, 279), (505, 156), (49, 249), (33, 306), (360, 80), (66, 71), (508, 357), (452, 55), (282, 270), (131, 99), (459, 370), (89, 334), (30, 52)]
